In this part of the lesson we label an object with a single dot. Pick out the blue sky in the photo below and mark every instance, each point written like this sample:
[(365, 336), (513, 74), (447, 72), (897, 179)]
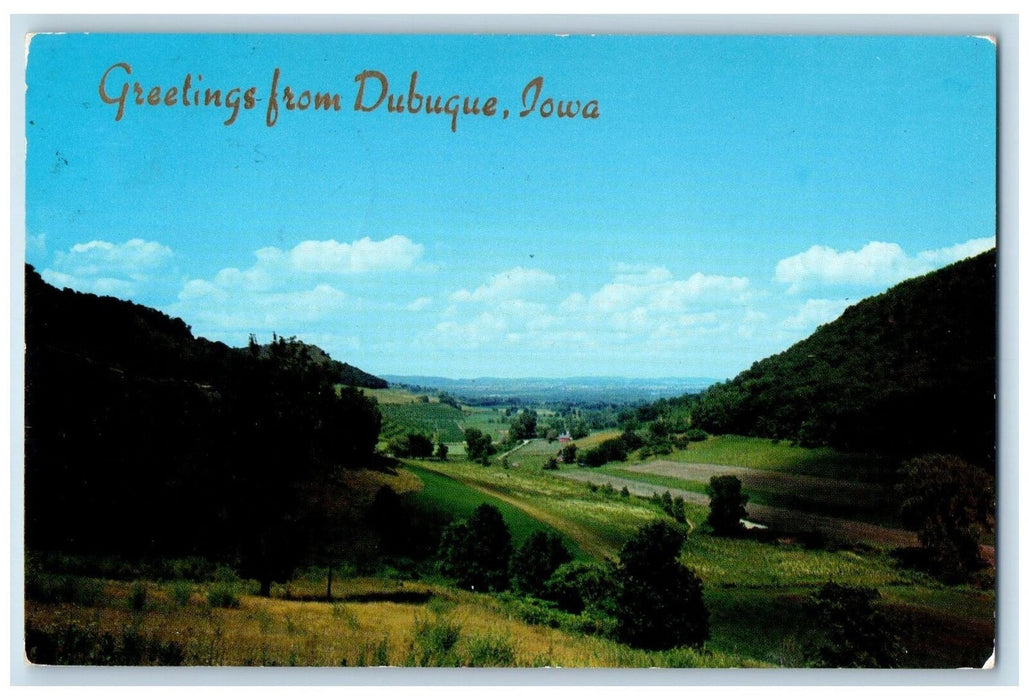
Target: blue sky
[(734, 193)]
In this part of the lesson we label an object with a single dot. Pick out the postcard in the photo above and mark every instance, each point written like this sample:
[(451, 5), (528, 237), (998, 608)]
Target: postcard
[(515, 351)]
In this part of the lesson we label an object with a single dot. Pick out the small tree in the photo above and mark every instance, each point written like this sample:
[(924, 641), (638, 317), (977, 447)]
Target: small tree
[(568, 453), (441, 451), (660, 602), (857, 633), (536, 560), (727, 505), (477, 552), (951, 504), (478, 445)]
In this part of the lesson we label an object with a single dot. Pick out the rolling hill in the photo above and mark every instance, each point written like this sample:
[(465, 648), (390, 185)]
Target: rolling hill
[(907, 372)]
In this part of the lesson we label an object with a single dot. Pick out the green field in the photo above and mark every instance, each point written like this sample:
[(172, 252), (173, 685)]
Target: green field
[(450, 495), (762, 453), (434, 420), (755, 590)]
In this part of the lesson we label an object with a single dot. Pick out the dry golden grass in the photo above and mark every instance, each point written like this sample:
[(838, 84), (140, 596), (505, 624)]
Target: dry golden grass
[(279, 632)]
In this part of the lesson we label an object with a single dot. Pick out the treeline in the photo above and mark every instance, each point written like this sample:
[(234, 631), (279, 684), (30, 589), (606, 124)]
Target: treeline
[(907, 372), (142, 440)]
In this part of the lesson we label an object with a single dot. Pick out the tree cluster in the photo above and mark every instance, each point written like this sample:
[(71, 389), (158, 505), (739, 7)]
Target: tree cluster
[(654, 600), (142, 440), (951, 504), (479, 446), (523, 425), (659, 603), (411, 445)]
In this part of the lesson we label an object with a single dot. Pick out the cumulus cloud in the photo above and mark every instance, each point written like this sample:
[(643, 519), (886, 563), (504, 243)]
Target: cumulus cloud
[(657, 290), (644, 312), (102, 267), (509, 284), (134, 258), (296, 291), (877, 263), (393, 254), (815, 312), (419, 304)]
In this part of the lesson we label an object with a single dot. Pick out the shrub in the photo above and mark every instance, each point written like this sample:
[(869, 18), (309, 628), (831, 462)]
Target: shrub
[(490, 650), (582, 587), (613, 450), (951, 504), (696, 435), (434, 642), (137, 597), (63, 589), (223, 595), (71, 644), (857, 633)]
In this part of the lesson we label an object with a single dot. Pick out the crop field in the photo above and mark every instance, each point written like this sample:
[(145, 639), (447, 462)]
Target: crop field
[(434, 420), (824, 495), (762, 453), (446, 493), (491, 421), (597, 523)]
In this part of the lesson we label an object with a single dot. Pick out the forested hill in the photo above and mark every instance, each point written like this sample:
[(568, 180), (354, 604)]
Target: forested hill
[(135, 338), (140, 438), (346, 373), (907, 372)]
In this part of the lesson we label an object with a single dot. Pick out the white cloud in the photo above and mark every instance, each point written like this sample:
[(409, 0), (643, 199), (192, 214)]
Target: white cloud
[(393, 254), (815, 312), (878, 263), (509, 284), (133, 258), (945, 256), (35, 245), (640, 274), (102, 267), (658, 291), (214, 308), (295, 291), (419, 304), (642, 312)]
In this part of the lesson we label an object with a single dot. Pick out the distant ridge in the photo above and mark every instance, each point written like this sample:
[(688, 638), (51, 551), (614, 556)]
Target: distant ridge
[(910, 371), (577, 389)]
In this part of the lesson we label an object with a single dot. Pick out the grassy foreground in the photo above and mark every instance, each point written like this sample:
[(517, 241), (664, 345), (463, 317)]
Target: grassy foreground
[(375, 623), (755, 589)]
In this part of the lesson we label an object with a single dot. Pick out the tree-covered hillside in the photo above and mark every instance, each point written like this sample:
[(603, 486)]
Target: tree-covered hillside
[(910, 371), (343, 372), (143, 440)]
